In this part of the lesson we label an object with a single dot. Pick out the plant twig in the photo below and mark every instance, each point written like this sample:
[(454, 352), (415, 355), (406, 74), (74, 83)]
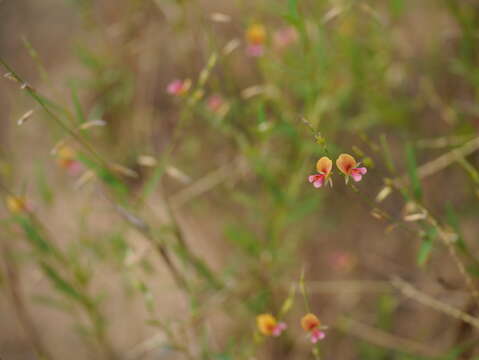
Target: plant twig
[(384, 339), (17, 299), (409, 291)]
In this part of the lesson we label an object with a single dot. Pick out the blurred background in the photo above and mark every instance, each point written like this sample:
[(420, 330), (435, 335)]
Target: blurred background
[(154, 163)]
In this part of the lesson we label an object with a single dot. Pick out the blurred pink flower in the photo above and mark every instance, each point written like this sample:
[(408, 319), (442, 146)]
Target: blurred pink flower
[(342, 261), (178, 87), (280, 327), (255, 39), (255, 50), (215, 102), (317, 335), (284, 37), (312, 325), (269, 326), (67, 159)]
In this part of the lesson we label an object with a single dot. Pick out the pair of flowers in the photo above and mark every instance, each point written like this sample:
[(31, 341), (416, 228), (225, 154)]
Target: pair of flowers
[(256, 38), (269, 326), (345, 163)]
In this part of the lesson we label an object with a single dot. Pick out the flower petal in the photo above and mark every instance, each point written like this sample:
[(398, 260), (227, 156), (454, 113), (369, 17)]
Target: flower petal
[(362, 170), (255, 50), (356, 176), (279, 329), (324, 165), (310, 322), (318, 183), (346, 163)]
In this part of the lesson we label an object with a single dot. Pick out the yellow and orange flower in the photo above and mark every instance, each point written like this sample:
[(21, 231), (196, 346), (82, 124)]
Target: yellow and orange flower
[(67, 159), (323, 167), (16, 204), (349, 167), (255, 39), (312, 325), (269, 326)]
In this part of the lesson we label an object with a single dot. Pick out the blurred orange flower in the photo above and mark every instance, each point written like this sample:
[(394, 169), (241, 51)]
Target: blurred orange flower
[(255, 38), (66, 159), (312, 325), (269, 326), (16, 205)]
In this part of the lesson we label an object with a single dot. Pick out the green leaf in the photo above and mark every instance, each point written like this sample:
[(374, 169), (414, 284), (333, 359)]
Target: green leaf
[(293, 9), (33, 235), (412, 171), (453, 221), (80, 116), (289, 302), (244, 239), (42, 185), (62, 285), (387, 153), (105, 175), (426, 246), (152, 183)]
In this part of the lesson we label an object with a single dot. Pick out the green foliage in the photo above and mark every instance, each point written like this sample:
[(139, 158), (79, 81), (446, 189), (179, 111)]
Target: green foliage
[(370, 78)]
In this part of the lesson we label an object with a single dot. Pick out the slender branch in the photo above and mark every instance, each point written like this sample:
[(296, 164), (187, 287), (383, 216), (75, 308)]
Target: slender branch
[(384, 339), (17, 299), (409, 291)]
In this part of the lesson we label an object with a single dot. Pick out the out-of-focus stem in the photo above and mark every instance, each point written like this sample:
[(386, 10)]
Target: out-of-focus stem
[(17, 299)]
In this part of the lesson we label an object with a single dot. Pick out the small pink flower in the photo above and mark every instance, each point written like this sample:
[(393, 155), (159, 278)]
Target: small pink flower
[(255, 50), (215, 102), (67, 159), (279, 328), (342, 261), (255, 39), (285, 37), (323, 166), (178, 87), (317, 335), (349, 167)]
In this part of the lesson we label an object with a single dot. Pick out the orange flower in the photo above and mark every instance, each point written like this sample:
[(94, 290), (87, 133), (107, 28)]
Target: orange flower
[(310, 322), (312, 325), (267, 325), (255, 38), (324, 167), (66, 158), (349, 167), (256, 34), (16, 205)]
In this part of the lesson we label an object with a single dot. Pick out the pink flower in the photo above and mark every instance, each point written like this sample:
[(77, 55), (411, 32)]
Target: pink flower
[(178, 87), (284, 37), (255, 50), (311, 324), (280, 327), (67, 159), (215, 102), (342, 261), (255, 39), (269, 326), (349, 167), (316, 335), (323, 166)]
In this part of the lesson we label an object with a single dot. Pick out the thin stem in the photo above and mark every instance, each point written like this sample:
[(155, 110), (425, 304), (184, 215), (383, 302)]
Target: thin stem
[(17, 299)]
